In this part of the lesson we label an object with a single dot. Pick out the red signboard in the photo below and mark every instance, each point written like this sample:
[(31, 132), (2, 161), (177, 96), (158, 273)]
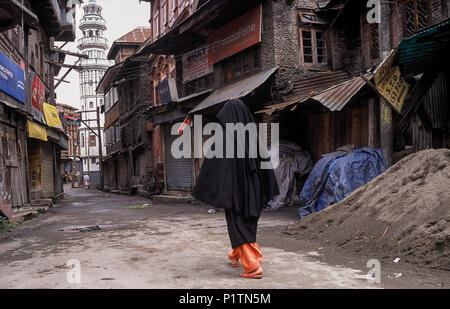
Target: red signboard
[(241, 33), (37, 96)]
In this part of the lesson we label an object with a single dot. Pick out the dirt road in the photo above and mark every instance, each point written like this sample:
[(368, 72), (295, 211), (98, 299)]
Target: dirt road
[(145, 245)]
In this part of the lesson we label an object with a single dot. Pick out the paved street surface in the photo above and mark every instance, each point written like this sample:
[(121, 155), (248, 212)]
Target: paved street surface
[(158, 246)]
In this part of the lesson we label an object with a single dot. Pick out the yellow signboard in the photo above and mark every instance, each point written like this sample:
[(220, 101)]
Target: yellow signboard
[(52, 116), (36, 131), (391, 85)]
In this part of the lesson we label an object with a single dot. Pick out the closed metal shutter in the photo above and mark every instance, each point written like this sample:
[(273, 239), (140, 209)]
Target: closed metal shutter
[(48, 179), (178, 171)]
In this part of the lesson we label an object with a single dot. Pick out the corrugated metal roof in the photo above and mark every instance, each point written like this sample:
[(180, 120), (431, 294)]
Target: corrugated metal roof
[(270, 109), (192, 96), (234, 91), (336, 97), (429, 47), (305, 87)]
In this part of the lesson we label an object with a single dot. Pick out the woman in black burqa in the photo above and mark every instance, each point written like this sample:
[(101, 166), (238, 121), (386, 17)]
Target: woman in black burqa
[(241, 187)]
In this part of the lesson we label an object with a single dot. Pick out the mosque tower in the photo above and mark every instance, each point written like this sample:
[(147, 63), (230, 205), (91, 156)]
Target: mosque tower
[(95, 45)]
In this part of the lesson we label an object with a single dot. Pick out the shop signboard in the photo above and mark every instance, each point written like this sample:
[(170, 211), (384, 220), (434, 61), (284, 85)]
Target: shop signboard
[(239, 34), (391, 84), (12, 79), (37, 96), (195, 64)]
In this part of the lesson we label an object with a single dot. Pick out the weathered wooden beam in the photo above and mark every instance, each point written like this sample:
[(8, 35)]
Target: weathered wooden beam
[(75, 67), (58, 50)]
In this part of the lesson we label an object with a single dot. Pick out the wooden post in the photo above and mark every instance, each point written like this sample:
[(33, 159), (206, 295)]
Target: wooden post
[(386, 128), (52, 75), (373, 136), (100, 149), (386, 131)]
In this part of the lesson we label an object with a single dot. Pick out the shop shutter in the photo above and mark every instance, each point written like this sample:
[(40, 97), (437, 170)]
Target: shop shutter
[(48, 179), (178, 171)]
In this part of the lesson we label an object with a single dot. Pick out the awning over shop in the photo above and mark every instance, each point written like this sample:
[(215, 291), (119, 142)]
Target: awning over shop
[(337, 97), (333, 90), (58, 137), (426, 49), (51, 116), (36, 131), (234, 91), (193, 96)]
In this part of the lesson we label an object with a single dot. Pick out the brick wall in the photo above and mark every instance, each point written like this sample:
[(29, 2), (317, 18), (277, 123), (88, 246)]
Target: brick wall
[(281, 46)]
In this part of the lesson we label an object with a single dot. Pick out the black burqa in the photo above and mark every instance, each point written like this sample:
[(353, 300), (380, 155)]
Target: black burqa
[(238, 185)]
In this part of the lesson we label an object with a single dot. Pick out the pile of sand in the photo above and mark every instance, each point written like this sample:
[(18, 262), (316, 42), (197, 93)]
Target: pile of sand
[(404, 212)]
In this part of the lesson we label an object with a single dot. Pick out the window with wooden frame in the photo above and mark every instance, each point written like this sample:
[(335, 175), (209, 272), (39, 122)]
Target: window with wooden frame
[(416, 16), (92, 141), (241, 64), (312, 46)]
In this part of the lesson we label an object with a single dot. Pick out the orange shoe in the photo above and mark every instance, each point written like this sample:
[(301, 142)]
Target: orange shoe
[(235, 263), (234, 258), (257, 274)]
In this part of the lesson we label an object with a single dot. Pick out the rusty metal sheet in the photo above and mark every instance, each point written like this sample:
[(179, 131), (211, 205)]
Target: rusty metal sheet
[(270, 109), (337, 97), (234, 91), (306, 87)]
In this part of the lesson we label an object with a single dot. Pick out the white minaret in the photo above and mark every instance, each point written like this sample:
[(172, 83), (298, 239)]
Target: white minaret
[(93, 44)]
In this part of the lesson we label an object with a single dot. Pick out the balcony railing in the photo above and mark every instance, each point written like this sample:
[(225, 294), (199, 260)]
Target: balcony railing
[(92, 21), (96, 62), (92, 42)]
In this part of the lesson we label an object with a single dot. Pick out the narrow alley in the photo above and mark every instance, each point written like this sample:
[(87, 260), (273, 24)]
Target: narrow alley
[(141, 244)]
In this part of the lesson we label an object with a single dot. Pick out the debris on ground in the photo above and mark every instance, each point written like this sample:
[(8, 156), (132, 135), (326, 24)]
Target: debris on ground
[(81, 228), (140, 206), (212, 211), (403, 213)]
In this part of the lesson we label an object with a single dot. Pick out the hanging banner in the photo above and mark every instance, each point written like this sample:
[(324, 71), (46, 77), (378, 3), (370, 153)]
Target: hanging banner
[(391, 84), (241, 33), (195, 64), (36, 131), (37, 96), (12, 78), (51, 116)]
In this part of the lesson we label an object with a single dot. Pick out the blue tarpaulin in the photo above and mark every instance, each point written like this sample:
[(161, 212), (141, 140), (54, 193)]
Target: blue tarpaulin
[(337, 175)]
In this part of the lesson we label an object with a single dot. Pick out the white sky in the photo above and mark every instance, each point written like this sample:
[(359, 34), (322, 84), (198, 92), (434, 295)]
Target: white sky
[(121, 17)]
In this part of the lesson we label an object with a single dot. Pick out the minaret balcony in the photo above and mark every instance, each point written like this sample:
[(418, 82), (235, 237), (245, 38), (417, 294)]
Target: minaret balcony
[(92, 22), (95, 62), (92, 42)]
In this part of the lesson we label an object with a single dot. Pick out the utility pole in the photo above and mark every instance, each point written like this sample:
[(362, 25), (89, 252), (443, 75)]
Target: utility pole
[(99, 136), (74, 151), (386, 127), (100, 150)]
